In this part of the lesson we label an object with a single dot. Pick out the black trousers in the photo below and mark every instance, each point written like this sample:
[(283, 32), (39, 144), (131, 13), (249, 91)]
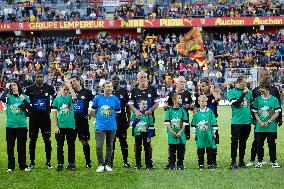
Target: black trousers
[(44, 124), (147, 148), (214, 156), (71, 138), (253, 150), (260, 138), (200, 154), (240, 134), (176, 151), (122, 137), (21, 135)]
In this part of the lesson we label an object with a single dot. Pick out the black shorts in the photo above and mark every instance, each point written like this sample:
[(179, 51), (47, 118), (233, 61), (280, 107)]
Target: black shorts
[(217, 137), (39, 122), (82, 128)]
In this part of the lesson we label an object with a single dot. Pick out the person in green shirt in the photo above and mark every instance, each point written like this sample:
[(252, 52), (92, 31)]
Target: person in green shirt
[(204, 127), (143, 130), (241, 99), (266, 109), (64, 122), (18, 106), (176, 119)]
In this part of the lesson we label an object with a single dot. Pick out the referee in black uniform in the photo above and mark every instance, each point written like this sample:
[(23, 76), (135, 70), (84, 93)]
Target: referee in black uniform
[(40, 95), (122, 120), (81, 105)]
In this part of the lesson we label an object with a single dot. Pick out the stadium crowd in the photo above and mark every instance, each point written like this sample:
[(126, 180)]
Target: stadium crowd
[(47, 10), (98, 58)]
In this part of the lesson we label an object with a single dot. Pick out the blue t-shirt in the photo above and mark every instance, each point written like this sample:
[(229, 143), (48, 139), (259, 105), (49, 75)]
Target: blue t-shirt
[(106, 108)]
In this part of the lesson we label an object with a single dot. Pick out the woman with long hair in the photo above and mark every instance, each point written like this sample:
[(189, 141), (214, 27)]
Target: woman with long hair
[(18, 105)]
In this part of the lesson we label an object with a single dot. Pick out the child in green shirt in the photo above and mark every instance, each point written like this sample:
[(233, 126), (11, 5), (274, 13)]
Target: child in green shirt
[(64, 122), (176, 119), (143, 130), (204, 127), (266, 109)]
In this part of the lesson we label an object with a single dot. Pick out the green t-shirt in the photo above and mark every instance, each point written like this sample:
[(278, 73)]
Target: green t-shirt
[(241, 114), (16, 114), (176, 117), (65, 111), (204, 121), (143, 124), (266, 108)]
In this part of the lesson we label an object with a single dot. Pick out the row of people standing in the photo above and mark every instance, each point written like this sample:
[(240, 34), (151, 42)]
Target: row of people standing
[(113, 117)]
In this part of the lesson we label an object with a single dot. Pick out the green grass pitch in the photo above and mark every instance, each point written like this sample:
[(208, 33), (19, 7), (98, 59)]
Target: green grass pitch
[(222, 177)]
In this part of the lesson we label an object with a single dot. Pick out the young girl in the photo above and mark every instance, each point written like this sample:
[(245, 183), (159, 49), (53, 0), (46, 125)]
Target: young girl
[(64, 122), (204, 127), (16, 124), (176, 119), (143, 130), (266, 109)]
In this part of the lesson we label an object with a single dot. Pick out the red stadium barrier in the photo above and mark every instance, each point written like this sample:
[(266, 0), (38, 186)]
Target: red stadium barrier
[(143, 23)]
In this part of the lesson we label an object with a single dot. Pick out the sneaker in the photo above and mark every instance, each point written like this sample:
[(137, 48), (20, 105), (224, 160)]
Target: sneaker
[(108, 168), (127, 165), (138, 167), (88, 166), (71, 167), (250, 163), (258, 165), (264, 162), (215, 165), (211, 167), (48, 165), (9, 170), (150, 167), (100, 169), (27, 169), (275, 165), (233, 166), (200, 167), (60, 167), (242, 165), (32, 166), (171, 168), (167, 167), (181, 167)]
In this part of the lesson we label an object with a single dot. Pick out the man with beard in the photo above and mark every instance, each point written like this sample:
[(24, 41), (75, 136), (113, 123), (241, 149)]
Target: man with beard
[(144, 91), (186, 102), (122, 120), (81, 105), (213, 95), (274, 91), (40, 95)]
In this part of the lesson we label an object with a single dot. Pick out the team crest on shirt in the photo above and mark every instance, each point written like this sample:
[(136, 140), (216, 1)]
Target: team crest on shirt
[(149, 95), (142, 126), (83, 97), (65, 109), (105, 110), (15, 108), (121, 96), (203, 126), (265, 112), (46, 94), (176, 123), (245, 103)]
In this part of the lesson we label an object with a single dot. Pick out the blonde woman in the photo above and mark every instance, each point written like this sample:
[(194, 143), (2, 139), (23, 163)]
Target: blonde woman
[(64, 122)]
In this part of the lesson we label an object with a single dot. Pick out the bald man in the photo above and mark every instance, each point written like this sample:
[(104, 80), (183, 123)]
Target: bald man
[(148, 92), (274, 91)]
